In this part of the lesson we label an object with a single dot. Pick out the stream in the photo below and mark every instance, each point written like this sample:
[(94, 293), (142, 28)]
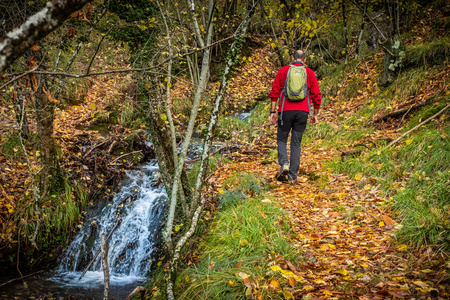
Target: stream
[(141, 205), (139, 208)]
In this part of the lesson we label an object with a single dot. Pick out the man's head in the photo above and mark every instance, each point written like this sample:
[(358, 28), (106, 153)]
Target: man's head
[(299, 55)]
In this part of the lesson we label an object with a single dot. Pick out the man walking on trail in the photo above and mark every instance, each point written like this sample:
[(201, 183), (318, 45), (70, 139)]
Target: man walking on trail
[(293, 110)]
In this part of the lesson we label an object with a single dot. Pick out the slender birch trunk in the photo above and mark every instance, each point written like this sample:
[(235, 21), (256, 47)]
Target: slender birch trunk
[(198, 201), (203, 80), (104, 248)]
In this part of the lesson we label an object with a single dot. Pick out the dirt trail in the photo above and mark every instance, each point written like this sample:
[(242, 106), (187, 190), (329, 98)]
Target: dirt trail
[(345, 235)]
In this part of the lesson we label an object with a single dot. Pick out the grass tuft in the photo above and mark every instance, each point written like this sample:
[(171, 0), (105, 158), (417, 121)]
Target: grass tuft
[(241, 236), (434, 53)]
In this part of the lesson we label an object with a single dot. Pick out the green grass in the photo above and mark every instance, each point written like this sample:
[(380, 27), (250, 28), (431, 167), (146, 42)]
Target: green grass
[(246, 230), (415, 177), (433, 53), (193, 172), (12, 147), (240, 239), (58, 216)]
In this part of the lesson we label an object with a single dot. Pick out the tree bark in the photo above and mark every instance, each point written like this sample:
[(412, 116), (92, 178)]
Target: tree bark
[(163, 147), (105, 248), (203, 80), (35, 28), (50, 173)]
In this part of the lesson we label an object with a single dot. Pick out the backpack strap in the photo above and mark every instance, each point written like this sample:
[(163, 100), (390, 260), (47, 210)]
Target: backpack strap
[(283, 91)]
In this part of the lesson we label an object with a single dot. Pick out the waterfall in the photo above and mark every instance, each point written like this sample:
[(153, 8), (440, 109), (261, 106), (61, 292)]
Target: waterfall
[(141, 205)]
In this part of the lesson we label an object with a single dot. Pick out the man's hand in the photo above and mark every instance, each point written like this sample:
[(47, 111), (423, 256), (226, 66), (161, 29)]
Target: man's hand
[(273, 118), (313, 120)]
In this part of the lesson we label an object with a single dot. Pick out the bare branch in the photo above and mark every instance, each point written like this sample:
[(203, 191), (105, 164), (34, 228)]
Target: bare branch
[(18, 77), (35, 28)]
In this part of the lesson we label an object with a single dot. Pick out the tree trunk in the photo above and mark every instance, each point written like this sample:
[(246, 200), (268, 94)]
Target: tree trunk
[(105, 248), (163, 147), (345, 31), (51, 173), (35, 28), (21, 113)]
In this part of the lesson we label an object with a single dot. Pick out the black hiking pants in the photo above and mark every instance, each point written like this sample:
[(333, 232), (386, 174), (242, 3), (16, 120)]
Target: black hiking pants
[(294, 120)]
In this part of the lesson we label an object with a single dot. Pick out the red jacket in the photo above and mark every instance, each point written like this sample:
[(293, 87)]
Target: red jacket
[(313, 88)]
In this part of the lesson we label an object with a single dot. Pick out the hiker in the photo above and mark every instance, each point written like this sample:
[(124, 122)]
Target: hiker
[(296, 96)]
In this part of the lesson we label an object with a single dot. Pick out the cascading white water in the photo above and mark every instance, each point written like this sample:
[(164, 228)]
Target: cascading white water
[(141, 204)]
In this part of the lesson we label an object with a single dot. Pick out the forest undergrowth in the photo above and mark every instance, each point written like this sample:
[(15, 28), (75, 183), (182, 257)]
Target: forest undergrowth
[(366, 219)]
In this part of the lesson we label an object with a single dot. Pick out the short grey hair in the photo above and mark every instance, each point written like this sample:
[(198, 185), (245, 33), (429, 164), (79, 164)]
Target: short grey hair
[(299, 54)]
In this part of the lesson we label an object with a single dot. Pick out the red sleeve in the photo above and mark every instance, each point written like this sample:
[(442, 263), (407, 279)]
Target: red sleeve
[(277, 86), (314, 91)]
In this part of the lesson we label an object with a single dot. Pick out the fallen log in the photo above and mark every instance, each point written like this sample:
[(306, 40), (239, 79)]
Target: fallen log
[(402, 111)]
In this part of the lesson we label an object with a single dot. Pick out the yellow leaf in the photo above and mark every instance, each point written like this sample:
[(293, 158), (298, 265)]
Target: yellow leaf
[(320, 281), (426, 271), (288, 295), (292, 282), (273, 45), (402, 247), (248, 291), (243, 242), (92, 106), (38, 153), (358, 176), (274, 284), (276, 268), (420, 284), (164, 117), (146, 86), (342, 272), (328, 293), (243, 275), (307, 288), (381, 224), (221, 191), (286, 273), (231, 283), (409, 141), (299, 279)]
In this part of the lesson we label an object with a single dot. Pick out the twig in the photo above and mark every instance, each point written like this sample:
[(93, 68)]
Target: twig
[(424, 122), (21, 278), (136, 291), (18, 252), (123, 156), (96, 51), (211, 154), (148, 69), (96, 146), (256, 141), (18, 77)]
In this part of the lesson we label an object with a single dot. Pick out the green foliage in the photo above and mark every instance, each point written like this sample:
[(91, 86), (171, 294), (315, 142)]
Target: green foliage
[(434, 53), (59, 213), (193, 172), (245, 183), (241, 236), (415, 177), (352, 87), (11, 147)]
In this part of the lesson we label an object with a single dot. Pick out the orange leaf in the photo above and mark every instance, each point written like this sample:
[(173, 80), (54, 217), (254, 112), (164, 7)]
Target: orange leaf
[(388, 221)]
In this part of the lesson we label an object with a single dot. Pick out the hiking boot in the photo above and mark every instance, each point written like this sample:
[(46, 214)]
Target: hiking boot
[(291, 179), (282, 174)]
